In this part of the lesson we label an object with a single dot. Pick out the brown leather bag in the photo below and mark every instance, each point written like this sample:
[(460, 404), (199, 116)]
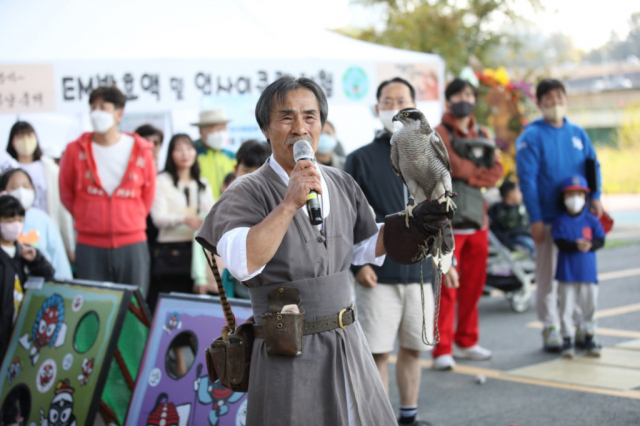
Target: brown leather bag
[(229, 356), (283, 331)]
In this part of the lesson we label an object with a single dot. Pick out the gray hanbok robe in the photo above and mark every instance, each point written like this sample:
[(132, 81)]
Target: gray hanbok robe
[(335, 379)]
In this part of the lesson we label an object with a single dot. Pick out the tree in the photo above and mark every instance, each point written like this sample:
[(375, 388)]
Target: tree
[(455, 30)]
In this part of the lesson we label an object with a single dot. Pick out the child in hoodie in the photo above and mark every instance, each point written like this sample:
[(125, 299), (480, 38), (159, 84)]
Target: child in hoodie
[(577, 233), (17, 263)]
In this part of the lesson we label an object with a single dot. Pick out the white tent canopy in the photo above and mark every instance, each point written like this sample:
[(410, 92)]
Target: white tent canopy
[(84, 41)]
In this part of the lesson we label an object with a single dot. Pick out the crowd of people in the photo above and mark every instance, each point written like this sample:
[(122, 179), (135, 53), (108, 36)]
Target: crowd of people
[(107, 211)]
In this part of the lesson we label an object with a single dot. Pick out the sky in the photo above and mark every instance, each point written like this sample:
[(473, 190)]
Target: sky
[(588, 22)]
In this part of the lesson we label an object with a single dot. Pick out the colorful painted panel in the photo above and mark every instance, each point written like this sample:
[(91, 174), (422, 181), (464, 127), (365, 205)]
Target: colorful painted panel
[(173, 388), (59, 354)]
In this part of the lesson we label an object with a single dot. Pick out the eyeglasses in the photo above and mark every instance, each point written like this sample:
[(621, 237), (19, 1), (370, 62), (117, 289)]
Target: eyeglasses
[(391, 103)]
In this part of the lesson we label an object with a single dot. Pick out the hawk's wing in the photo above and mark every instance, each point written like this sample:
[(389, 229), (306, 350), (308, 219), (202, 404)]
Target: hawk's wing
[(395, 159), (395, 163), (441, 150)]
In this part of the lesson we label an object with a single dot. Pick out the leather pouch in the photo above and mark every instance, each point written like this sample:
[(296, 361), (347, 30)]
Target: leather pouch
[(283, 330), (229, 360)]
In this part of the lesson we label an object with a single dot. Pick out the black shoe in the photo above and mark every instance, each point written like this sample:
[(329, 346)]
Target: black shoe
[(592, 347), (567, 348)]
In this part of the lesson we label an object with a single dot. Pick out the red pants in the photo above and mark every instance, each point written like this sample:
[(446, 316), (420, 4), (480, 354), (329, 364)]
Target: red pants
[(471, 253)]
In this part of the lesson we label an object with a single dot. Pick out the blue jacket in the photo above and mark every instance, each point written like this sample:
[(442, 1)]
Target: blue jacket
[(44, 235), (545, 155), (575, 266)]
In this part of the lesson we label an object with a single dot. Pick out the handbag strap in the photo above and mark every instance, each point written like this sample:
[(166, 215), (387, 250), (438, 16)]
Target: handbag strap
[(226, 306)]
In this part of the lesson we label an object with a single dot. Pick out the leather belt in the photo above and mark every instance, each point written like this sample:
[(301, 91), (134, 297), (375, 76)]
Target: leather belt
[(346, 317)]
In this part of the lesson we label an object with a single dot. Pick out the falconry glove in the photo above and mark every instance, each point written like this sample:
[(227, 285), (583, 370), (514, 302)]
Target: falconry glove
[(403, 243)]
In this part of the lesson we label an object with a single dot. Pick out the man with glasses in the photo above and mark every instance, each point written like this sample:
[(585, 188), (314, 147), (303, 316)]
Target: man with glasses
[(388, 296)]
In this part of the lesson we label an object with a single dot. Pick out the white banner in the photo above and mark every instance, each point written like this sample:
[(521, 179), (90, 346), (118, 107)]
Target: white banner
[(182, 88)]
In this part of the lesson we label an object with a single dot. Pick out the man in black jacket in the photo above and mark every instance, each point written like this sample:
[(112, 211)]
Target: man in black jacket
[(388, 297)]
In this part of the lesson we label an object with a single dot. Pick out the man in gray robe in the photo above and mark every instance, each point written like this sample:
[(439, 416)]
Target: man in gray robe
[(261, 229)]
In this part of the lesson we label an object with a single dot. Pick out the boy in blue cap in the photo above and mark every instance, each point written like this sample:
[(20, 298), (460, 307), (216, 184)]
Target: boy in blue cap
[(577, 233)]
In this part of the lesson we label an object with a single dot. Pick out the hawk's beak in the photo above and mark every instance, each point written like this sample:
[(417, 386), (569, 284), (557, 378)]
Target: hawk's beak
[(395, 118)]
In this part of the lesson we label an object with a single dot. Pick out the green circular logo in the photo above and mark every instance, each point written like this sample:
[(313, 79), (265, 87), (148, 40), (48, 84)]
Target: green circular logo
[(355, 83)]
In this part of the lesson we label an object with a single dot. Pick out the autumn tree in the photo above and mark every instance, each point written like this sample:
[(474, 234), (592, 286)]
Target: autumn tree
[(455, 30)]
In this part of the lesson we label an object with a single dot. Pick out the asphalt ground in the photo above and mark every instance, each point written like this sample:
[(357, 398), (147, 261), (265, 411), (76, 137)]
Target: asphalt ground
[(454, 397)]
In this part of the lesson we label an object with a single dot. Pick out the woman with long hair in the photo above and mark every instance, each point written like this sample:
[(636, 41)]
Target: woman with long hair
[(24, 147), (183, 199)]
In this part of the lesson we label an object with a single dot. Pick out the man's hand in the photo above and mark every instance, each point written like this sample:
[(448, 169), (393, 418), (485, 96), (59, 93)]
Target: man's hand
[(28, 253), (537, 231), (584, 245), (596, 208), (193, 222), (367, 277), (303, 179), (451, 279)]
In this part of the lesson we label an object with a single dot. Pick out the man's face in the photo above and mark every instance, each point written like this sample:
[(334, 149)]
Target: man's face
[(211, 128), (102, 105), (298, 117), (242, 170), (552, 98), (394, 97), (465, 95)]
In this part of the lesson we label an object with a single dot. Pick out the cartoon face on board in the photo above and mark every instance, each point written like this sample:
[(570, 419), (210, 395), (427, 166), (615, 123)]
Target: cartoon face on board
[(61, 408), (14, 370), (48, 322), (87, 369), (173, 323)]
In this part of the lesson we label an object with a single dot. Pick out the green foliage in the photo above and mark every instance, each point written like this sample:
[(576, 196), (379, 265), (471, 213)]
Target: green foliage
[(452, 29)]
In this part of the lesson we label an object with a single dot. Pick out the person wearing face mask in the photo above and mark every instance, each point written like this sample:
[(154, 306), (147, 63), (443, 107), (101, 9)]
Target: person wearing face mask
[(474, 165), (17, 262), (549, 149), (388, 295), (44, 172), (107, 182), (215, 164), (326, 153), (40, 230), (577, 233)]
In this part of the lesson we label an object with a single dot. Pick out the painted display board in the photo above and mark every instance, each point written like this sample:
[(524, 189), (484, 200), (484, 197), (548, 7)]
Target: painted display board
[(62, 354), (173, 388)]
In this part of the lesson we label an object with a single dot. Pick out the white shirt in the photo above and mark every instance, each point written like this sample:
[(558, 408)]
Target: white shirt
[(170, 207), (10, 250), (112, 161), (232, 247)]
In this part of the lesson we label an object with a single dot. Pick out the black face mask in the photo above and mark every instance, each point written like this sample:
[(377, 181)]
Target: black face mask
[(461, 109)]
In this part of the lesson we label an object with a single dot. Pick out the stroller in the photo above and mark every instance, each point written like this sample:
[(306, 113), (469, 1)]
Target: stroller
[(511, 272)]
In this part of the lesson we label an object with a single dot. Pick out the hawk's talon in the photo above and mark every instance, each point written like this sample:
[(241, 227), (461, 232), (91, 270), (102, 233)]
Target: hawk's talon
[(446, 198), (409, 212)]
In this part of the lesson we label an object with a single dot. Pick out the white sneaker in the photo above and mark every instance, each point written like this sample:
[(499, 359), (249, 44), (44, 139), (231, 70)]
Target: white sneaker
[(476, 353), (443, 363)]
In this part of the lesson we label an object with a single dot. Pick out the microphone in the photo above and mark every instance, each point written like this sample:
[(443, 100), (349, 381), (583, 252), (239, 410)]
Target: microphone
[(302, 151)]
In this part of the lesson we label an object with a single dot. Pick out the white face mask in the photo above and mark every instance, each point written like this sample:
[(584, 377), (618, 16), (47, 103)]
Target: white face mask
[(26, 196), (101, 121), (26, 145), (555, 113), (217, 139), (574, 204), (11, 231), (387, 120)]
